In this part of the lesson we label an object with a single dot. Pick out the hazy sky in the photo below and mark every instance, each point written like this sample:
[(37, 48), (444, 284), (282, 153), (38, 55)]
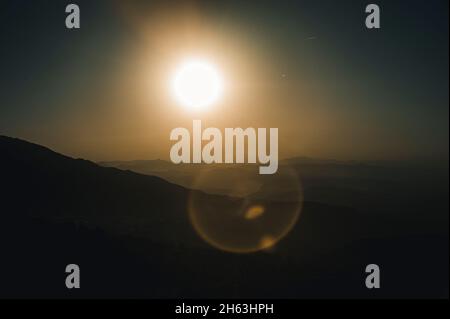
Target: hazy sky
[(311, 68)]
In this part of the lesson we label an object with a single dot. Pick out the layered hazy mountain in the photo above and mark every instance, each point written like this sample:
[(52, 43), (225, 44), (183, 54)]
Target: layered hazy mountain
[(367, 186)]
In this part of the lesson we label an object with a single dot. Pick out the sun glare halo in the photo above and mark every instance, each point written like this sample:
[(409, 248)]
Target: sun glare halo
[(197, 84)]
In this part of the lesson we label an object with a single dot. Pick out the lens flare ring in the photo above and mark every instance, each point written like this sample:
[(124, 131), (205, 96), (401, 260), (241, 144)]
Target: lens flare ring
[(253, 220)]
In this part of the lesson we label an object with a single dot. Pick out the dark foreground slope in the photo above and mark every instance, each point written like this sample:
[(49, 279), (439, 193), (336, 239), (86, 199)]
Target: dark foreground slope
[(131, 236)]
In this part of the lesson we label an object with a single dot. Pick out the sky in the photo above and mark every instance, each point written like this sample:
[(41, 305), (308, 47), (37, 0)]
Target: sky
[(333, 88)]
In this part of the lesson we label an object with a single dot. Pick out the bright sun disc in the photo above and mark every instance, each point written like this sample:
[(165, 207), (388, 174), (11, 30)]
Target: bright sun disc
[(197, 84)]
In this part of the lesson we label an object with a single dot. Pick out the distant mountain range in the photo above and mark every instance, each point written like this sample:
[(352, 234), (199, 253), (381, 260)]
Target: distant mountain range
[(362, 185), (131, 235)]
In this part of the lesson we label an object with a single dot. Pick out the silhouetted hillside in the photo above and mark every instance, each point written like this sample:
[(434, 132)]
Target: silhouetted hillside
[(131, 236), (40, 183)]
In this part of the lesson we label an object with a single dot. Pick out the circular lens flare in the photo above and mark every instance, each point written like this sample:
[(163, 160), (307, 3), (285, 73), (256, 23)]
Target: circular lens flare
[(254, 214), (197, 84)]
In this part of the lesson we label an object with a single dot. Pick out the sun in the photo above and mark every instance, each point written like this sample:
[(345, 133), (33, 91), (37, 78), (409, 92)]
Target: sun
[(197, 84)]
